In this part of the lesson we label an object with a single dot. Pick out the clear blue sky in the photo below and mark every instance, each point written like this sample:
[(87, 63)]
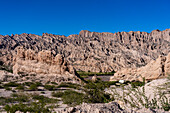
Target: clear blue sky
[(65, 17)]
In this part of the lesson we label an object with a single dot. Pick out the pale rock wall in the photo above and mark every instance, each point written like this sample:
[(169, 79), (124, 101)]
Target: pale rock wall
[(158, 68), (43, 63)]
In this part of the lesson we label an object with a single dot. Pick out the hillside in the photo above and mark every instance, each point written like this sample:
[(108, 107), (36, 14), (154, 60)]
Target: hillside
[(92, 51)]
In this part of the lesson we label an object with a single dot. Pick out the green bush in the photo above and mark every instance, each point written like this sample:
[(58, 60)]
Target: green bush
[(72, 98), (11, 84), (1, 87), (54, 83), (35, 107), (95, 73), (49, 87), (28, 83), (137, 83), (20, 87), (38, 83), (6, 68), (94, 93), (44, 99), (8, 88), (57, 94), (33, 87), (21, 97)]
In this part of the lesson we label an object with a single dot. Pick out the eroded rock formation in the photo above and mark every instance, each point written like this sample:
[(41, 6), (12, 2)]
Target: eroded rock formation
[(92, 51), (155, 69), (44, 64)]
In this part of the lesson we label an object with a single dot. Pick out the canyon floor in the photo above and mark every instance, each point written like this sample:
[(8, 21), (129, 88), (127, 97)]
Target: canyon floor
[(92, 97)]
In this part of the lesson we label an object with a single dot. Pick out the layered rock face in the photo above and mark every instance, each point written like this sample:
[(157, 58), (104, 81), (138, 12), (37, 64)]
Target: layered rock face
[(158, 68), (44, 64), (92, 51)]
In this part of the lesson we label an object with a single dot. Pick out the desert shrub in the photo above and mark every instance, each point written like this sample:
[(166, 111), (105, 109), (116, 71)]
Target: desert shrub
[(5, 100), (6, 68), (1, 87), (49, 87), (21, 97), (11, 84), (94, 93), (54, 83), (33, 87), (38, 83), (95, 73), (20, 87), (28, 83), (137, 98), (35, 107), (137, 83), (8, 88), (42, 92), (165, 103), (15, 98), (44, 99), (72, 98), (69, 85), (57, 94)]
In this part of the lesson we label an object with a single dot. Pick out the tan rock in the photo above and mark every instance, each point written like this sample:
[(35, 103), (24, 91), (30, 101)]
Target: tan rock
[(43, 64), (90, 51), (155, 69)]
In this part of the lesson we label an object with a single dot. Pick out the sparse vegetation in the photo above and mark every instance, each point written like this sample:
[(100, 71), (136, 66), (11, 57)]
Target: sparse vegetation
[(28, 103), (136, 98), (82, 73), (11, 84), (34, 107), (49, 87), (6, 68), (94, 92), (33, 87), (69, 85), (20, 87), (70, 97)]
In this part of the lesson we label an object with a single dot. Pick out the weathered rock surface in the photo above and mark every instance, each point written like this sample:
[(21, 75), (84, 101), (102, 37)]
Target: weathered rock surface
[(112, 107), (44, 64), (152, 90), (155, 69), (92, 51)]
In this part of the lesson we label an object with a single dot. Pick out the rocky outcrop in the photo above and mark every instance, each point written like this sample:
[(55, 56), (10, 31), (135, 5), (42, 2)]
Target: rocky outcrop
[(158, 68), (112, 107), (92, 51), (44, 64)]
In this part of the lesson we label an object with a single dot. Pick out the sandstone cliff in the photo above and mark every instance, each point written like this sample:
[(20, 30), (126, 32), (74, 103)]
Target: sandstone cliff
[(44, 64), (158, 68), (92, 51)]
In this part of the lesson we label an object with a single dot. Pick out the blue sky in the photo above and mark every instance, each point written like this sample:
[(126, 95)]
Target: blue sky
[(65, 17)]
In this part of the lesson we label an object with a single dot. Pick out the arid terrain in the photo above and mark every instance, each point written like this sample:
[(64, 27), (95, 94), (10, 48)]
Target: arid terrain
[(89, 72), (92, 51)]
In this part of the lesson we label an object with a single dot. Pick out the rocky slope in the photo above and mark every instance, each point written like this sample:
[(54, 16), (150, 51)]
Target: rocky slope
[(92, 51), (112, 107), (40, 66), (155, 69)]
